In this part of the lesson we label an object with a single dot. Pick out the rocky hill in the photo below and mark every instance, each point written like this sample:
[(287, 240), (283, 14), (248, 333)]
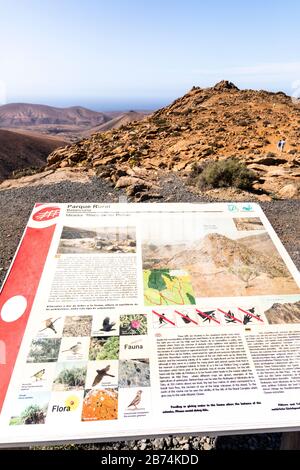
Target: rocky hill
[(223, 252), (205, 124), (231, 267), (284, 313), (71, 233), (19, 151)]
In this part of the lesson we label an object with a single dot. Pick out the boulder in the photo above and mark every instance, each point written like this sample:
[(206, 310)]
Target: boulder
[(125, 181), (290, 191), (225, 85)]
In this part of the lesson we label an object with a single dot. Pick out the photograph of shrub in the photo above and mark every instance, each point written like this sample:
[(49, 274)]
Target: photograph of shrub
[(31, 410), (70, 376), (99, 405), (104, 347), (134, 373), (44, 350), (133, 325), (78, 326)]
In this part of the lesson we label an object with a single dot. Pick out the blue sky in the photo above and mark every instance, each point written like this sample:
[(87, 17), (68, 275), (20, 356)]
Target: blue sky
[(121, 54)]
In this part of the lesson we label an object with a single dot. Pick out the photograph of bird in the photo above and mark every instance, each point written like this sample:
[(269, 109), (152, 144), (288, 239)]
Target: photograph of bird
[(49, 325), (107, 325), (75, 349), (39, 375), (100, 374), (137, 399)]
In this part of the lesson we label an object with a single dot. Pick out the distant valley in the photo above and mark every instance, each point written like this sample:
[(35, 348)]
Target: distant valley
[(30, 132), (68, 124), (19, 151)]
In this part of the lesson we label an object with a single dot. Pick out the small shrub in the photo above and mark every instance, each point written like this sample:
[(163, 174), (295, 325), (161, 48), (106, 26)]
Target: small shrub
[(227, 173), (104, 348), (158, 121), (73, 377), (26, 172)]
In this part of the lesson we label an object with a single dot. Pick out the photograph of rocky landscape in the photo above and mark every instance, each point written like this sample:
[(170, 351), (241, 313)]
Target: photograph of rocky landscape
[(248, 223), (284, 311), (97, 240), (224, 266)]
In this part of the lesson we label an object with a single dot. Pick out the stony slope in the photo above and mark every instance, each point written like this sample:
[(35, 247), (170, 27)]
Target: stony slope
[(224, 252), (234, 253), (19, 151), (204, 124), (284, 313), (70, 233)]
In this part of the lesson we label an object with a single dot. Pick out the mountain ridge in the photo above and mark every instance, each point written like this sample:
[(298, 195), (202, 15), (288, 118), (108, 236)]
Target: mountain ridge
[(288, 312), (22, 114), (203, 125), (224, 251)]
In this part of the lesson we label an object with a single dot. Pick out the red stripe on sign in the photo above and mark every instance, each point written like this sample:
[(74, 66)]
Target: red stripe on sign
[(163, 317), (187, 318), (250, 314), (209, 317), (229, 315), (23, 280)]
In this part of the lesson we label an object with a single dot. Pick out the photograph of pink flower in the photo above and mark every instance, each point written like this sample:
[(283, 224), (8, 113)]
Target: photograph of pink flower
[(133, 325)]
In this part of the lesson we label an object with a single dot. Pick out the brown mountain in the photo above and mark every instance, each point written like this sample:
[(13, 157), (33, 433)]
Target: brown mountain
[(224, 267), (206, 123), (225, 252), (18, 151), (23, 115), (117, 122), (68, 124), (284, 313)]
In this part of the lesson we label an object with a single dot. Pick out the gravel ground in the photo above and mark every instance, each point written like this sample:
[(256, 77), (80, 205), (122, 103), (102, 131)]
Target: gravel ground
[(15, 208)]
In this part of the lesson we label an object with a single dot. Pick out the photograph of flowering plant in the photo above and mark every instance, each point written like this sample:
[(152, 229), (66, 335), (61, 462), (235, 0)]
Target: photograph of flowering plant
[(133, 325)]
